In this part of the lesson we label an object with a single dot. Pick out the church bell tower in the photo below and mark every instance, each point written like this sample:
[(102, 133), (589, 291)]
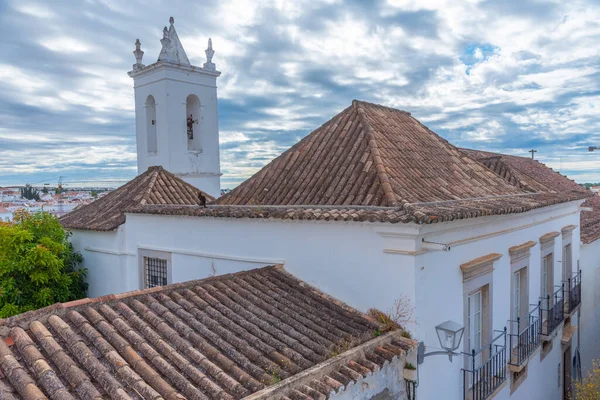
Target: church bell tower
[(176, 114)]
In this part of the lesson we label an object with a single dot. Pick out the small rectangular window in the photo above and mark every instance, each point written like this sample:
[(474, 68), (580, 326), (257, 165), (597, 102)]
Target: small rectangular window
[(559, 375), (155, 268), (156, 272)]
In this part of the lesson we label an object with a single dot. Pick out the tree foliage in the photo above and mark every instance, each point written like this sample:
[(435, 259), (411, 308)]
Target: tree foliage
[(30, 193), (45, 190), (38, 265), (589, 387)]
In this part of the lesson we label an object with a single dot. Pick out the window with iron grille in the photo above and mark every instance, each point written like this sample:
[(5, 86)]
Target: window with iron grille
[(154, 268), (156, 271)]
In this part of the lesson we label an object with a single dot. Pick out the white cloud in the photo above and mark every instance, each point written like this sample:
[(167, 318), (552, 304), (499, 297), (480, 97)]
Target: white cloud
[(497, 75)]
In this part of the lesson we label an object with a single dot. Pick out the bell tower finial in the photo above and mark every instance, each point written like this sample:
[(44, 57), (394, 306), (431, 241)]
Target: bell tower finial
[(138, 53), (172, 51), (209, 55)]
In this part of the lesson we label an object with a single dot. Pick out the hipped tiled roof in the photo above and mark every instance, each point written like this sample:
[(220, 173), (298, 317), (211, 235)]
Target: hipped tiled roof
[(590, 220), (218, 338), (369, 155), (532, 175), (155, 186)]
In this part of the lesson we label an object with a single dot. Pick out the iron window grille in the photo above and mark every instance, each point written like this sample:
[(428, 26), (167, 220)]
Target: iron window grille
[(155, 272)]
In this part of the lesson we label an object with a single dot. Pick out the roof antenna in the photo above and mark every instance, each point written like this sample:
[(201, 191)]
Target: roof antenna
[(532, 151)]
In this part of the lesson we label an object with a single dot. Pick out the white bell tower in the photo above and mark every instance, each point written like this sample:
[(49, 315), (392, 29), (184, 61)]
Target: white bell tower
[(176, 114)]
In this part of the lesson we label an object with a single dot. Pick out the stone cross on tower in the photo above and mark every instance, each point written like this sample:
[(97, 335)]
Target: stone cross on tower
[(176, 113)]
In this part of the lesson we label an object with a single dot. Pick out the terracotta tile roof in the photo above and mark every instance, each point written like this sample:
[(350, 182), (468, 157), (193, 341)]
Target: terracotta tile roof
[(590, 220), (155, 186), (421, 213), (369, 155), (340, 373), (218, 338), (528, 174), (317, 213), (534, 176)]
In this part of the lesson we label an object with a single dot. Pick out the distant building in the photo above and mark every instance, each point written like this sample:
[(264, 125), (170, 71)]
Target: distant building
[(5, 214)]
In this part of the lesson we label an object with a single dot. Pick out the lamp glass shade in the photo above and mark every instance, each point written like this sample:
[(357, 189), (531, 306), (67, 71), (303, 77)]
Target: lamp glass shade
[(450, 334)]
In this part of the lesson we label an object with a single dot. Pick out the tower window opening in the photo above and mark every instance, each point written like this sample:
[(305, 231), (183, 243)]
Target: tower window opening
[(193, 123), (151, 137)]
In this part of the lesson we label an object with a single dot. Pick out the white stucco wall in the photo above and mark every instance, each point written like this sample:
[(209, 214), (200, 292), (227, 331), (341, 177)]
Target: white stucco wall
[(440, 297), (170, 85), (363, 264), (386, 384), (105, 258), (589, 326), (345, 260)]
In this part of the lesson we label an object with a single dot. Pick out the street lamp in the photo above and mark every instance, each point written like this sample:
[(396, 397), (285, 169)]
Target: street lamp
[(449, 334)]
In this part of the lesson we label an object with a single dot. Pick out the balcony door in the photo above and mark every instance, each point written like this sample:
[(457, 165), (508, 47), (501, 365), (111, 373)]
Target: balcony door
[(547, 282), (567, 263), (475, 312)]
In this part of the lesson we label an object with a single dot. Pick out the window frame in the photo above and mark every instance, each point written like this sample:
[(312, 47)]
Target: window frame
[(520, 260), (143, 254), (547, 278), (478, 277), (517, 293)]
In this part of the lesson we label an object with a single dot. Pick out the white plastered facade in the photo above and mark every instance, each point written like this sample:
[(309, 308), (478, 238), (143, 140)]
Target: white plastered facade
[(367, 265)]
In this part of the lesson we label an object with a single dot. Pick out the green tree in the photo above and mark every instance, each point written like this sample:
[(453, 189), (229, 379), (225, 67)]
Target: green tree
[(45, 190), (589, 387), (94, 193), (38, 265), (30, 193)]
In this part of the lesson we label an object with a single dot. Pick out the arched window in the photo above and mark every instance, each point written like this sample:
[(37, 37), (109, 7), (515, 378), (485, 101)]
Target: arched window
[(193, 122), (151, 138)]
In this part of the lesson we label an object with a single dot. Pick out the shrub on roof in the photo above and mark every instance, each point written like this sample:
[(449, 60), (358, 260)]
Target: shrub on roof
[(38, 266)]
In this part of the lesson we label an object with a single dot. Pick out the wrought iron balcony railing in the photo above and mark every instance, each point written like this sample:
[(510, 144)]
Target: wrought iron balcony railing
[(573, 293), (524, 336), (552, 311), (487, 369)]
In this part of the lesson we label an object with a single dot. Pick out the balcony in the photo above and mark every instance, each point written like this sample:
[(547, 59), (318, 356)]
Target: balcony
[(573, 293), (552, 312), (524, 338), (487, 369)]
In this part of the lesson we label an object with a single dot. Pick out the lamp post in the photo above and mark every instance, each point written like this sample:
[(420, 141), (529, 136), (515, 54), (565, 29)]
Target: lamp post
[(449, 334)]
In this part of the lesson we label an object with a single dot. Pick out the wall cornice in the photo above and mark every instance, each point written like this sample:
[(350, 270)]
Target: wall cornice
[(568, 230), (549, 236), (520, 251), (479, 266)]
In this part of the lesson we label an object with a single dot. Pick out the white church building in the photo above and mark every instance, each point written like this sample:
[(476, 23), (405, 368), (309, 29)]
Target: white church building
[(370, 208)]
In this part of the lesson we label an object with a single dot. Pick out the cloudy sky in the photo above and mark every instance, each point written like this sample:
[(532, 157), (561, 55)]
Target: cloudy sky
[(503, 76)]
